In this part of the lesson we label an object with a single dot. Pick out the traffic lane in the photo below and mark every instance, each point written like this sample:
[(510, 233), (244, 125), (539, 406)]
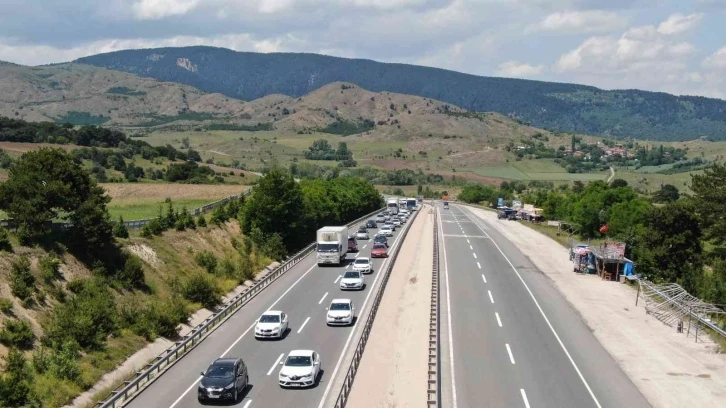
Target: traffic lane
[(484, 375), (164, 391), (308, 300), (540, 367), (609, 384)]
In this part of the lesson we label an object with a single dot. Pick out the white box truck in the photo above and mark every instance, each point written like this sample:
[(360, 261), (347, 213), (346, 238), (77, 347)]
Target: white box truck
[(392, 206), (332, 245)]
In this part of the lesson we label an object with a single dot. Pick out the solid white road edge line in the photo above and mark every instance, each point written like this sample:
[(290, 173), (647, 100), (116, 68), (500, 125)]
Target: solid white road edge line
[(524, 397), (275, 364), (544, 316), (247, 404), (499, 321), (338, 278), (350, 336), (448, 314), (303, 325), (509, 351), (323, 298), (243, 334), (490, 296)]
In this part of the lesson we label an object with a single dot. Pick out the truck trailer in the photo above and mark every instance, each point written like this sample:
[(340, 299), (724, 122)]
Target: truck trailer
[(332, 245)]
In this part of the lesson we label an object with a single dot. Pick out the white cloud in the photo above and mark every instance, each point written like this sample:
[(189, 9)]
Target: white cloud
[(588, 21), (717, 60), (678, 23), (156, 9), (519, 69)]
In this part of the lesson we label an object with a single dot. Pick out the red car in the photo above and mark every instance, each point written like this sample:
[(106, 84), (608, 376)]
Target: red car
[(379, 251), (352, 244)]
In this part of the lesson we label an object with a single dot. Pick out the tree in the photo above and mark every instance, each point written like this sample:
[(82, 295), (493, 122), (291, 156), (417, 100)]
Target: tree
[(577, 186), (667, 193), (119, 229), (43, 184), (16, 382), (709, 197), (274, 207), (17, 333), (669, 247), (21, 280), (618, 183)]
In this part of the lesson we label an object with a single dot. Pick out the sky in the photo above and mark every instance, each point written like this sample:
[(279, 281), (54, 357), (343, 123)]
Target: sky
[(674, 46)]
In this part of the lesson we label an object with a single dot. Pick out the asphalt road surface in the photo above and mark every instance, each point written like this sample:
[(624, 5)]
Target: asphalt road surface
[(509, 338), (304, 293)]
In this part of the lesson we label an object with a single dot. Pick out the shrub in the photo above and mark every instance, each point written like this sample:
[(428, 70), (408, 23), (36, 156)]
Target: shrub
[(133, 271), (219, 215), (201, 289), (6, 306), (207, 260), (226, 268), (201, 221), (5, 240), (274, 247), (119, 229), (49, 267), (161, 318), (21, 280), (15, 384), (61, 363), (86, 318), (17, 333)]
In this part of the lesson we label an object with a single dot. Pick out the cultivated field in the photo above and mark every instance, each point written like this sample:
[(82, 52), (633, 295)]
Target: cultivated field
[(136, 201)]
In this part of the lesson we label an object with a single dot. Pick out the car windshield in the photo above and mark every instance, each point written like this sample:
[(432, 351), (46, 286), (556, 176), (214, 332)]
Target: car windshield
[(380, 238), (381, 246), (270, 319), (298, 361), (340, 306), (327, 247), (351, 275), (362, 229), (361, 261), (220, 371)]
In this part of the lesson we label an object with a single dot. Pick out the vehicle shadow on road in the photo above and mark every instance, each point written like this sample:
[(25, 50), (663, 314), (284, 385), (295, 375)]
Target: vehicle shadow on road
[(240, 400)]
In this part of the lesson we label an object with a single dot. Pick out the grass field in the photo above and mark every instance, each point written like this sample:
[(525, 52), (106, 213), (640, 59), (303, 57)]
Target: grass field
[(542, 169)]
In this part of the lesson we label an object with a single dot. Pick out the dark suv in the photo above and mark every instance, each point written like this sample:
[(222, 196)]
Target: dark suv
[(371, 224), (380, 239), (225, 379)]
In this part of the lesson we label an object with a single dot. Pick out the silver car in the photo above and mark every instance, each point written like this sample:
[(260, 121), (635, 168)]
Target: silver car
[(353, 280)]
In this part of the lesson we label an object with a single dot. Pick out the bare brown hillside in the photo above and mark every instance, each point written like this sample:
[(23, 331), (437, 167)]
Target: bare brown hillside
[(51, 92)]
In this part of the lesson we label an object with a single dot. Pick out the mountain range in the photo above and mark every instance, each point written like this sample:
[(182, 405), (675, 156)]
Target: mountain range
[(555, 106)]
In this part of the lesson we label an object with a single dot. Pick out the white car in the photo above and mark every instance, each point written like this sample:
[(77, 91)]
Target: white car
[(362, 265), (390, 224), (386, 230), (352, 280), (380, 219), (300, 369), (362, 235), (396, 222), (272, 324), (341, 311)]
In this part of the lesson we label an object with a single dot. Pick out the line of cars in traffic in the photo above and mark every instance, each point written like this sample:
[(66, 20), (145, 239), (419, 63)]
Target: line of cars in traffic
[(227, 378)]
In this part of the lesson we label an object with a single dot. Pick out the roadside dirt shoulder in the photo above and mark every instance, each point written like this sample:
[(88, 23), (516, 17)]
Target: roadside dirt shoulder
[(393, 371), (670, 369)]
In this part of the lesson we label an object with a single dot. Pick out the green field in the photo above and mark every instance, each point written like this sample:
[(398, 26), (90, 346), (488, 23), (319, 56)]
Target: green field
[(542, 169), (149, 208)]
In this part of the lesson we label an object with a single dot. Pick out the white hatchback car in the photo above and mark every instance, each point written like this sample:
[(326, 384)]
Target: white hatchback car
[(352, 280), (300, 369), (272, 324), (362, 265), (341, 311)]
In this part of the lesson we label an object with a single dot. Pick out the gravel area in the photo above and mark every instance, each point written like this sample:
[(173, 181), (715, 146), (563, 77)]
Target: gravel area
[(670, 369), (393, 371)]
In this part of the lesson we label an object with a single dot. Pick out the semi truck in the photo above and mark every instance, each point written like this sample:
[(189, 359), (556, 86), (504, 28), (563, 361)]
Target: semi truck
[(332, 245), (392, 206)]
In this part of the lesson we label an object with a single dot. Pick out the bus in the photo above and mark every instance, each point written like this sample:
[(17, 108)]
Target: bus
[(392, 206)]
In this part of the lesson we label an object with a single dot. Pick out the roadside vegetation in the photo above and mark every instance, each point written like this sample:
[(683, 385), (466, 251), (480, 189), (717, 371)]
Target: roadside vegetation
[(671, 237)]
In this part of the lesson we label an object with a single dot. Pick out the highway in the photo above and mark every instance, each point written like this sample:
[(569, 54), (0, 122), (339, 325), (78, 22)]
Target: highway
[(303, 293), (508, 337)]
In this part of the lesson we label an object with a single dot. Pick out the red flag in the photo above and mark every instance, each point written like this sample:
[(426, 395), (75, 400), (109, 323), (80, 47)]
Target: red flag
[(604, 229)]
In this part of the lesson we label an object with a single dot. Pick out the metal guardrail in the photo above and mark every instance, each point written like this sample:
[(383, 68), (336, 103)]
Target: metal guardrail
[(360, 347), (161, 363), (434, 381)]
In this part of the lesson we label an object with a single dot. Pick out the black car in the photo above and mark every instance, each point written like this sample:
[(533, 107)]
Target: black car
[(371, 224), (380, 239), (225, 379), (512, 216), (363, 228)]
